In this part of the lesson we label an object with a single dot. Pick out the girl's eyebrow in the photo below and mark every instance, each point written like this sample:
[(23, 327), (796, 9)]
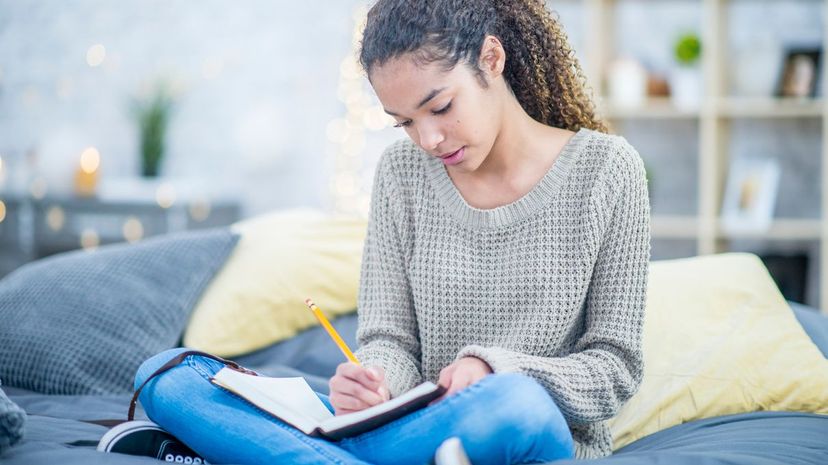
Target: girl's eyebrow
[(428, 97)]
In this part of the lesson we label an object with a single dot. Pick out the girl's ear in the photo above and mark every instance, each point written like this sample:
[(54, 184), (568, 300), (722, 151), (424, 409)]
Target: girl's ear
[(492, 57)]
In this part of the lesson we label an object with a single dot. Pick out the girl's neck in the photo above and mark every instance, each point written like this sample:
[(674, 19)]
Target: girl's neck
[(522, 146)]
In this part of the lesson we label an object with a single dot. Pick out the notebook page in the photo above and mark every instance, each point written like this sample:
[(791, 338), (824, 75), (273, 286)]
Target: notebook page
[(356, 417), (290, 399)]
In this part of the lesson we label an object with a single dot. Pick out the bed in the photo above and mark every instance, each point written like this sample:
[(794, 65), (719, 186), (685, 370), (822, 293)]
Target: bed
[(57, 434), (59, 427)]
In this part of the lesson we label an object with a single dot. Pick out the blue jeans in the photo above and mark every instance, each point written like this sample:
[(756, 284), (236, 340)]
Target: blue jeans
[(502, 419)]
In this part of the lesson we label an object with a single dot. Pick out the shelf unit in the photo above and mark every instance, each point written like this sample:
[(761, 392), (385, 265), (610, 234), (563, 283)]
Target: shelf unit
[(714, 116)]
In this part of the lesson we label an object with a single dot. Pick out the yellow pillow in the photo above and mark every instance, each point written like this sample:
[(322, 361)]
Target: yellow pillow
[(719, 339), (281, 259)]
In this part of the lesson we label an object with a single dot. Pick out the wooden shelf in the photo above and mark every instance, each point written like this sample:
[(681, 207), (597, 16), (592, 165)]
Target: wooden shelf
[(782, 229), (652, 108), (674, 227), (687, 227), (731, 107), (712, 119), (770, 107)]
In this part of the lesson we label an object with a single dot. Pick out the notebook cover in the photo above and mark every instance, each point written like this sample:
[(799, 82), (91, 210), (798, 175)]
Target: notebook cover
[(368, 424)]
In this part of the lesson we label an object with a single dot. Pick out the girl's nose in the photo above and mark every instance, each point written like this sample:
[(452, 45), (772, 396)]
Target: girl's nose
[(430, 137)]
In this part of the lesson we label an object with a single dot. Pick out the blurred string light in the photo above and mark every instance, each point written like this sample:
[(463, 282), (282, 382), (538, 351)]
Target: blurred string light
[(64, 88), (133, 229), (30, 96), (349, 132), (211, 68), (200, 209), (89, 239), (38, 187), (95, 55), (55, 218), (165, 195)]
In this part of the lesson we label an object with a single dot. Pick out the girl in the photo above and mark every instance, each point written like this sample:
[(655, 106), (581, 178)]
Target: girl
[(506, 257)]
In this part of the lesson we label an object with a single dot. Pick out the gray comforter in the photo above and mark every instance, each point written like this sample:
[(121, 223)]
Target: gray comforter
[(57, 434)]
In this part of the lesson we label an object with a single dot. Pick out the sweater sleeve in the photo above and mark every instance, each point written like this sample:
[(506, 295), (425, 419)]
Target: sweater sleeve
[(605, 366), (387, 332)]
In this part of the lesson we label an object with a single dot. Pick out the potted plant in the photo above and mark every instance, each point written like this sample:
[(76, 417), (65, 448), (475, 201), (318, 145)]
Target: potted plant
[(153, 116), (686, 79)]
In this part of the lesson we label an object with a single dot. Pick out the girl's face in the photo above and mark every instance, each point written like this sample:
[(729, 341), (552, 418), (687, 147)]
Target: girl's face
[(444, 112)]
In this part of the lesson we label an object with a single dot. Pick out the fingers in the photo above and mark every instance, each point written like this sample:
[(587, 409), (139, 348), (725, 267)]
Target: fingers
[(370, 378), (446, 380), (446, 375), (355, 388), (343, 403), (346, 386), (378, 374)]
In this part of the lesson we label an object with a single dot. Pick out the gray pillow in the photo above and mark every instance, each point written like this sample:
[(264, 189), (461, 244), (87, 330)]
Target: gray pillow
[(12, 421), (814, 323), (82, 322)]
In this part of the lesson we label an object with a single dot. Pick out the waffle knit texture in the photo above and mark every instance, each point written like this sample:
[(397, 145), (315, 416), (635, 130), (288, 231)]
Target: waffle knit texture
[(552, 285)]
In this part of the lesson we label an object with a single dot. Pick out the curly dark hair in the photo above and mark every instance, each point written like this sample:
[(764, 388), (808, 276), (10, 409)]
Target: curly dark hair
[(541, 68)]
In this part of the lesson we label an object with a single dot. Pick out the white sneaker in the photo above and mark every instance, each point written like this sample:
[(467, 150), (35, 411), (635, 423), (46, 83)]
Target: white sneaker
[(451, 452)]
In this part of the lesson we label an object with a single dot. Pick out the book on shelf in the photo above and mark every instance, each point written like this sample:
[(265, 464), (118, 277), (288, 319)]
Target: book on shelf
[(293, 401)]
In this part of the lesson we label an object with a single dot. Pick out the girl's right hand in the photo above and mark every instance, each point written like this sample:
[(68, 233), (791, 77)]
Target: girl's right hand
[(355, 388)]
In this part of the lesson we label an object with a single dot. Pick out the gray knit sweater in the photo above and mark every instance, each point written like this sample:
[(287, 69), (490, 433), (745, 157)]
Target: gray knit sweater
[(552, 285)]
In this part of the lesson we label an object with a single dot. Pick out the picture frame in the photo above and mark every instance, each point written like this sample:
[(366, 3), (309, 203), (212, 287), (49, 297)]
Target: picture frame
[(800, 73), (750, 195)]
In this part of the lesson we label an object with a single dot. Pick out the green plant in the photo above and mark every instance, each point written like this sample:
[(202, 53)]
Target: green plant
[(688, 49), (153, 116)]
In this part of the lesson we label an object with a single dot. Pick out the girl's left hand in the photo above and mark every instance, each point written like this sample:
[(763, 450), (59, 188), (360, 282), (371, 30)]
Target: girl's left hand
[(461, 374)]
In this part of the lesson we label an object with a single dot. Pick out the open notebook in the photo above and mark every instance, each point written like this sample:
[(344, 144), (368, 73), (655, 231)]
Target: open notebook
[(293, 401)]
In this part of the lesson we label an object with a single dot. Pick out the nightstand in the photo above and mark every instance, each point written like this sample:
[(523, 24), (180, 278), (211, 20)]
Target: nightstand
[(34, 228)]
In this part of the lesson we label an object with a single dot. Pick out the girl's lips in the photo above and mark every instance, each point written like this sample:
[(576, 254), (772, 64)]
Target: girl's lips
[(455, 157), (446, 155)]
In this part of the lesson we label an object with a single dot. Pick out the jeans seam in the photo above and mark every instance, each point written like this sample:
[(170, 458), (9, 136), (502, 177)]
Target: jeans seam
[(191, 362)]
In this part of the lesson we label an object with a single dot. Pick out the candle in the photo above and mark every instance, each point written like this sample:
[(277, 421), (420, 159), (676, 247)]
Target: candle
[(86, 177)]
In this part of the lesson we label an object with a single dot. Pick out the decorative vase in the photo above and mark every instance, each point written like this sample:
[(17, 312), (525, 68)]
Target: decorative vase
[(686, 87)]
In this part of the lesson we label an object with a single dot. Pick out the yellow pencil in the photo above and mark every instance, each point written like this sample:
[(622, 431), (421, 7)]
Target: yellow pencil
[(331, 331)]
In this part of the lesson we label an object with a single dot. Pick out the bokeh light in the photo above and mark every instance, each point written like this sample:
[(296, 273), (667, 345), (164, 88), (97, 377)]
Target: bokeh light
[(200, 209), (89, 239), (95, 55), (55, 218), (165, 195), (133, 229), (38, 188), (90, 160)]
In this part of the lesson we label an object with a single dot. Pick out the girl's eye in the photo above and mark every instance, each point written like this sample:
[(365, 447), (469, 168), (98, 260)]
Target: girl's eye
[(443, 110)]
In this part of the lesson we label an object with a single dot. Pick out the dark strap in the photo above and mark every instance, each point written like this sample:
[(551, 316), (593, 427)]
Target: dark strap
[(109, 423), (173, 362)]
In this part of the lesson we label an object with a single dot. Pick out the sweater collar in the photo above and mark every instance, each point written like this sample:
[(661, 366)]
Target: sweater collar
[(508, 214)]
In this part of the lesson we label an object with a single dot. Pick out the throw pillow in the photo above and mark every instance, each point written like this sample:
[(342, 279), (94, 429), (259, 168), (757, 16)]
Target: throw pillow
[(282, 259), (82, 322), (719, 338), (814, 323)]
